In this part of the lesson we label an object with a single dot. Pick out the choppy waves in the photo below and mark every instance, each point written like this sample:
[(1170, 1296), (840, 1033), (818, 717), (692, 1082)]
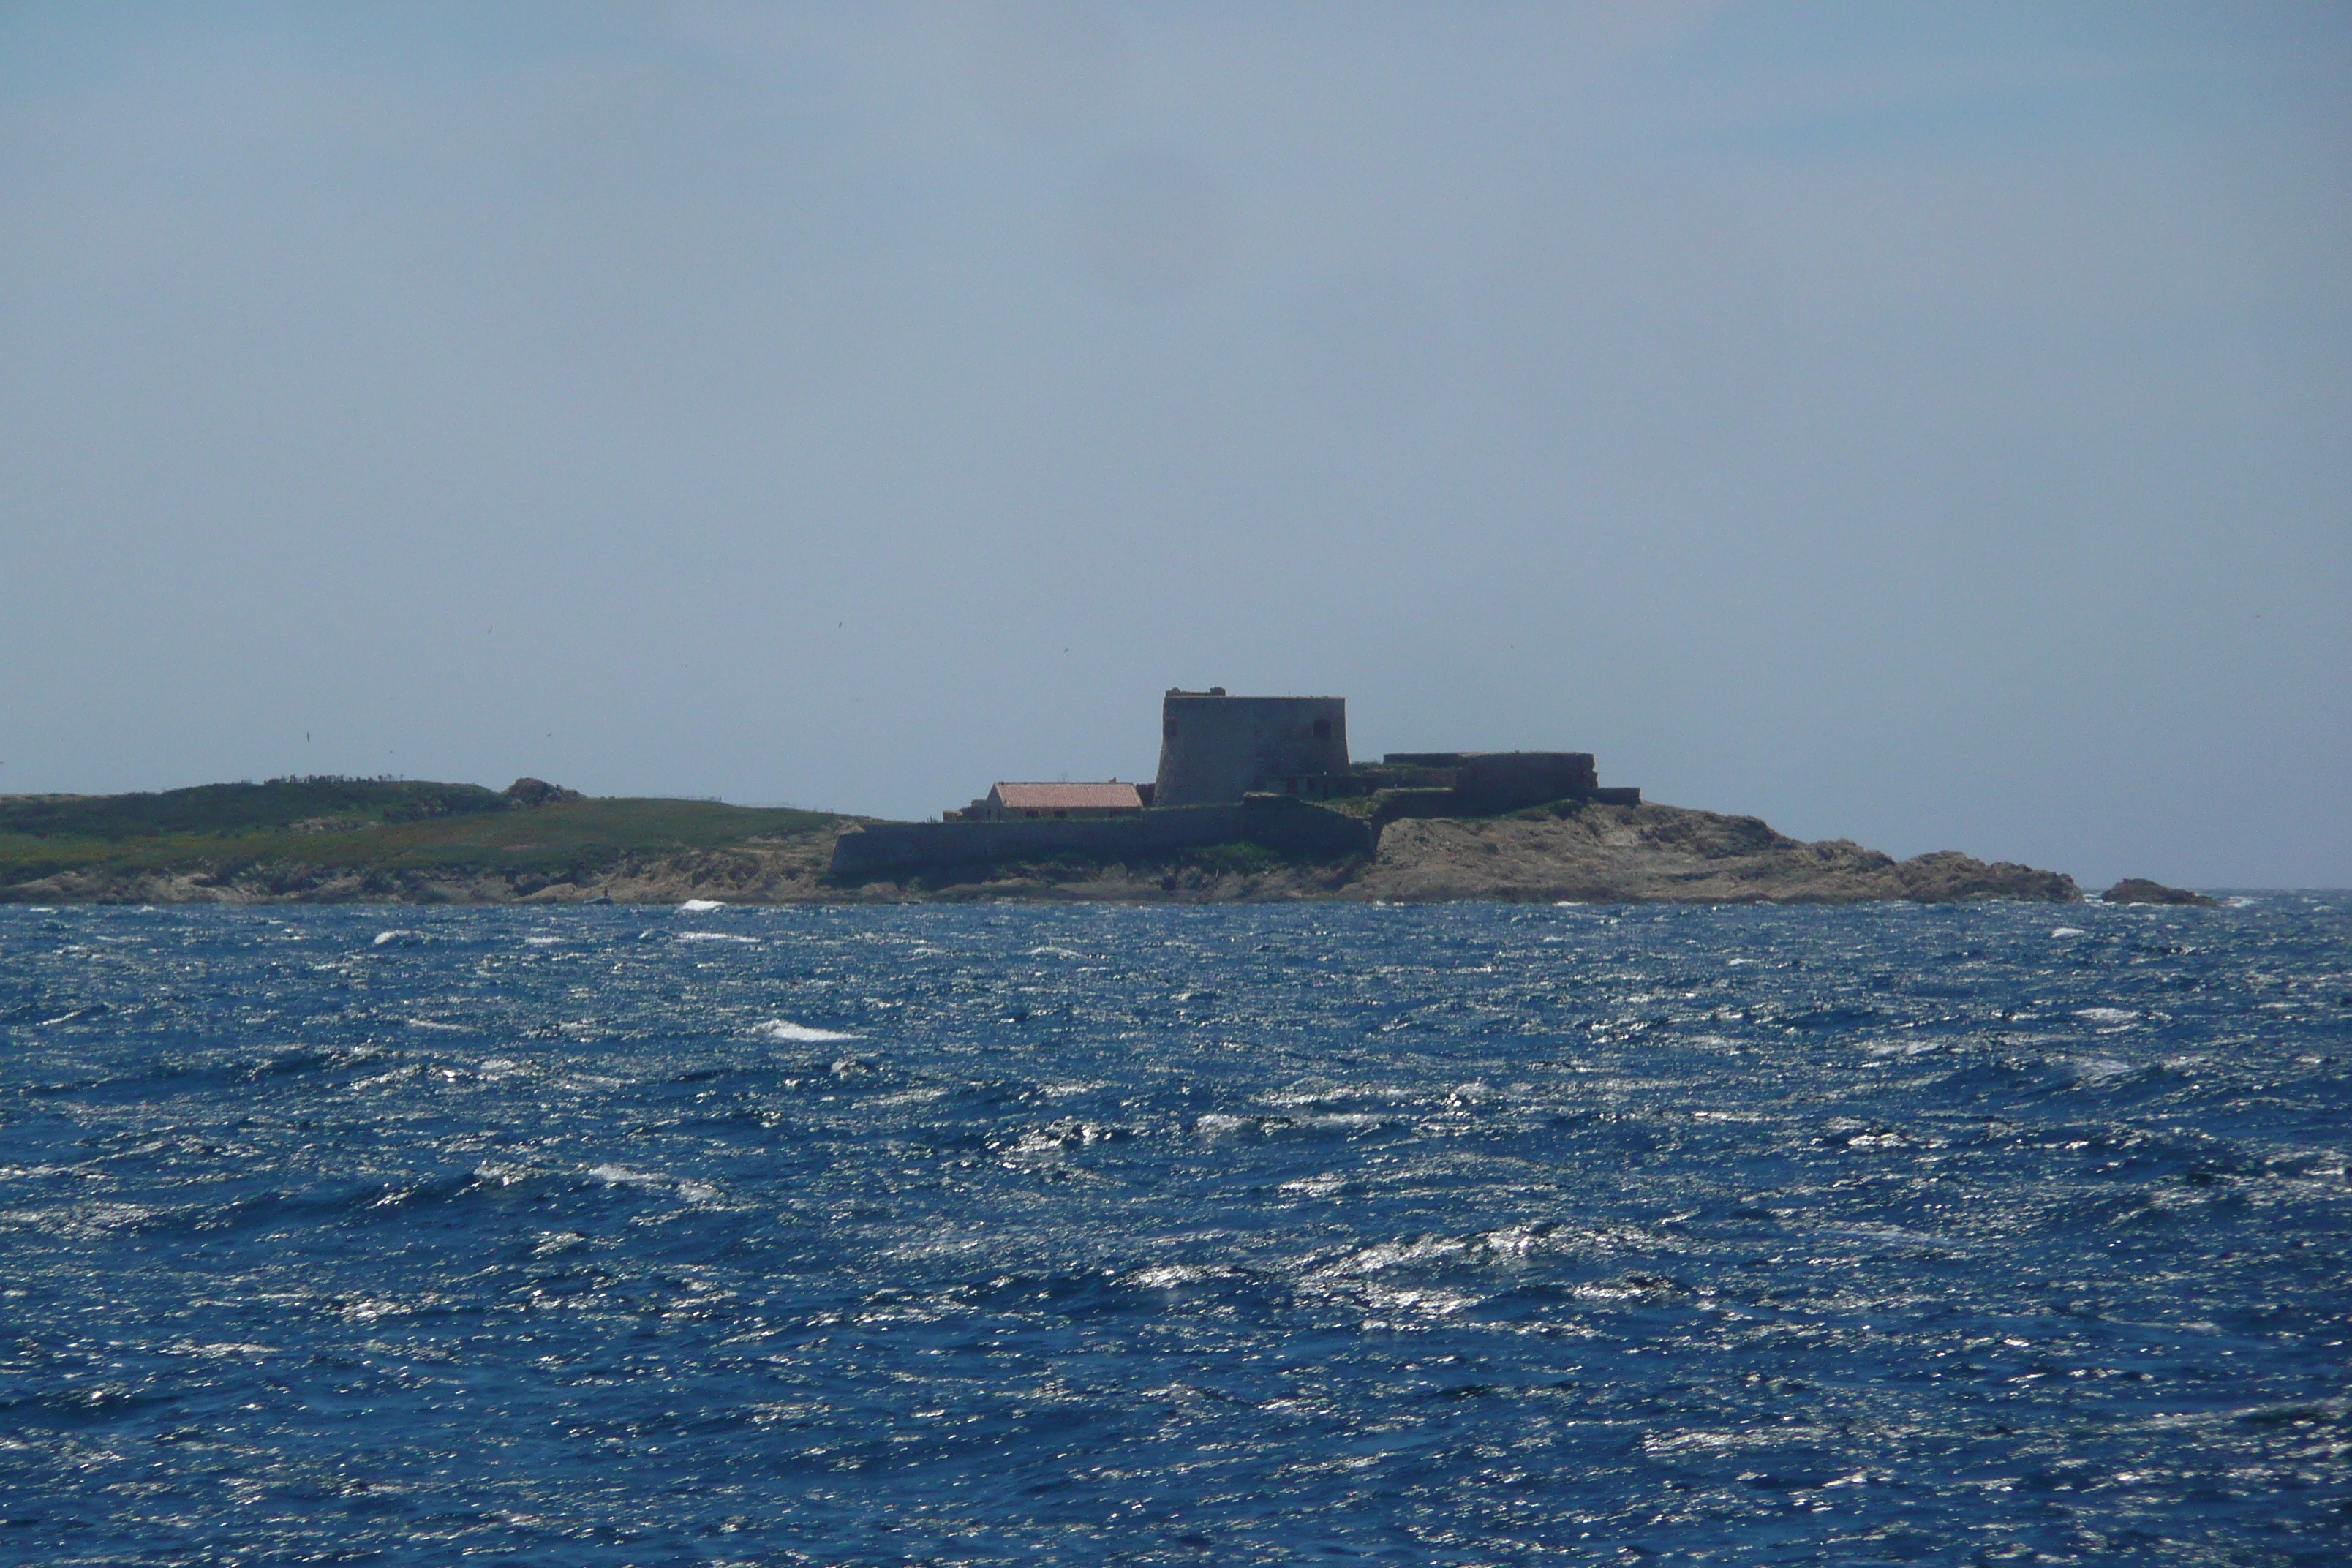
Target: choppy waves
[(1462, 1234)]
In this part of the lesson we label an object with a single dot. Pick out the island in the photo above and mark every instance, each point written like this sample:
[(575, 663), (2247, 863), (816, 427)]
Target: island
[(1255, 800), (2140, 890)]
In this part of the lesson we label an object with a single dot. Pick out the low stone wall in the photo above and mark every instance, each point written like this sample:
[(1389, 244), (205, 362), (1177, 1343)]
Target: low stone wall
[(1486, 784), (1289, 827), (1504, 780)]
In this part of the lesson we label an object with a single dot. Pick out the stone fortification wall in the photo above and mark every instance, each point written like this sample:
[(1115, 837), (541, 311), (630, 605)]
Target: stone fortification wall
[(1291, 827), (1486, 784), (1505, 779), (1482, 777), (1214, 749)]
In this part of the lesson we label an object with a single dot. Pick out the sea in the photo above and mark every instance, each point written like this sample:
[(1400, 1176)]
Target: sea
[(1454, 1234)]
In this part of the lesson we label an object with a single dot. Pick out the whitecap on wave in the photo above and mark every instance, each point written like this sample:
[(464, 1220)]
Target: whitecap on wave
[(2106, 1014), (1168, 1275), (1318, 1187), (785, 1029), (1389, 1254), (1900, 1048), (716, 936), (220, 1350), (653, 1182)]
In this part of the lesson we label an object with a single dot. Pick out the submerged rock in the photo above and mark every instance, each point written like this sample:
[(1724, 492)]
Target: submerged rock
[(2140, 890)]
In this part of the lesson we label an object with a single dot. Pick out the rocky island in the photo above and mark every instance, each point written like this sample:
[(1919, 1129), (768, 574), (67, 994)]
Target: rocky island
[(343, 841), (1256, 799), (668, 852), (2140, 890)]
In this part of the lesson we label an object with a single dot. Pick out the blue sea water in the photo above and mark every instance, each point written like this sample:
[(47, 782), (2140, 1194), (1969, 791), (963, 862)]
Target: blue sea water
[(1465, 1233)]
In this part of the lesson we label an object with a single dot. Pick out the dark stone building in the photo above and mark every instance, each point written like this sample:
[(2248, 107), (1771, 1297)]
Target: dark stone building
[(1215, 749)]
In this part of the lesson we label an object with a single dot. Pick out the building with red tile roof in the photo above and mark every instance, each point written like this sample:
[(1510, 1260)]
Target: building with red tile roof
[(1010, 801)]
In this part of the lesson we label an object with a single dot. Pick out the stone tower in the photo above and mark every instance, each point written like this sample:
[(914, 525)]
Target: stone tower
[(1214, 749)]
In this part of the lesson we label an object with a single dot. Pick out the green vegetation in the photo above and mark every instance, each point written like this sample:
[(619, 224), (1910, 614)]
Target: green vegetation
[(353, 824), (337, 803)]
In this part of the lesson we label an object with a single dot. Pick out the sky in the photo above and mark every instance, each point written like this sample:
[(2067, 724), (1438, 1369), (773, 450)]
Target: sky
[(1926, 425)]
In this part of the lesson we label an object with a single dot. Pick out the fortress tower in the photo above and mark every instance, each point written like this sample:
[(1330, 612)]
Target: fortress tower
[(1215, 748)]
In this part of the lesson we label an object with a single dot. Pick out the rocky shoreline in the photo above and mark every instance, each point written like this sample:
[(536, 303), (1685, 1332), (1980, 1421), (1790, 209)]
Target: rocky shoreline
[(1592, 854)]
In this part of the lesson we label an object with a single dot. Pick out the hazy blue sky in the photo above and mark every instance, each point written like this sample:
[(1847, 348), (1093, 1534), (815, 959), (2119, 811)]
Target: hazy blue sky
[(1928, 424)]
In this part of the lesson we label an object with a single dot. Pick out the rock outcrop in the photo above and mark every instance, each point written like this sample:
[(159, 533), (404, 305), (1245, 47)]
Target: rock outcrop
[(2140, 890), (538, 792), (1663, 854)]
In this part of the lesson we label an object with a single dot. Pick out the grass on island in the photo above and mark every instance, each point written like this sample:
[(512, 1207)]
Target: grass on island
[(363, 825)]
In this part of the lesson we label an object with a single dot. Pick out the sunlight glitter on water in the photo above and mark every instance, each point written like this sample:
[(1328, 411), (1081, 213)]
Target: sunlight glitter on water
[(1454, 1234)]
